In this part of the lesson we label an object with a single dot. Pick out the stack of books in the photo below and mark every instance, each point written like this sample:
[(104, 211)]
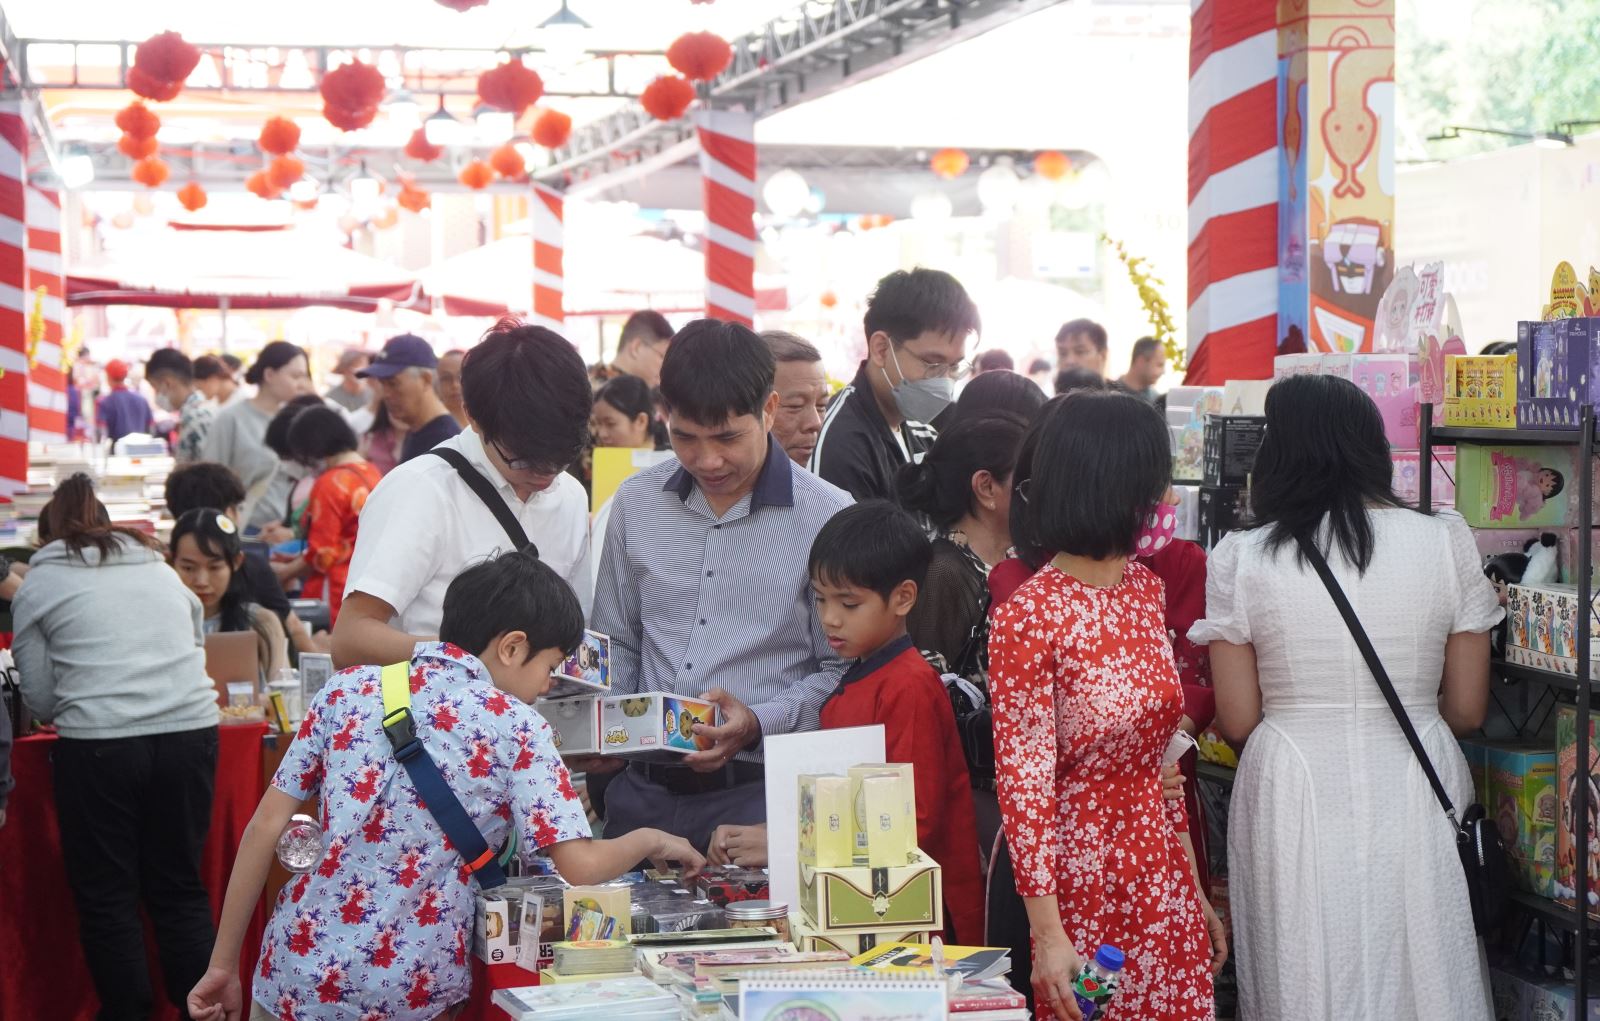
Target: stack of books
[(982, 993), (589, 959), (624, 999)]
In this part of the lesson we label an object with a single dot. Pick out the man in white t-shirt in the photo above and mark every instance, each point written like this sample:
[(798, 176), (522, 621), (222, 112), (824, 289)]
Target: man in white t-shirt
[(528, 399)]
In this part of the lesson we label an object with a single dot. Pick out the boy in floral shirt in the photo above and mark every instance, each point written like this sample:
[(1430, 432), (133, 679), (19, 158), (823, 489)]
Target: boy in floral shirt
[(380, 929)]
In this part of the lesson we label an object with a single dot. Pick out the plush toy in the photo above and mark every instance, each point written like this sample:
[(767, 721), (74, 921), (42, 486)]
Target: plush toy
[(1537, 564)]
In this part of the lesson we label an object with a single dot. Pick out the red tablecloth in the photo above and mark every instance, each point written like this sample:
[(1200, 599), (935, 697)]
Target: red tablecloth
[(44, 974)]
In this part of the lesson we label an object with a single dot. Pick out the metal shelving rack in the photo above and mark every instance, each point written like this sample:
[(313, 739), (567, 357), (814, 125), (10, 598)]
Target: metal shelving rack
[(1543, 909)]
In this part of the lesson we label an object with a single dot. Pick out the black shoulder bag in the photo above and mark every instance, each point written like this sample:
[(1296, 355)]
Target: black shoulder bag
[(486, 492), (1483, 856)]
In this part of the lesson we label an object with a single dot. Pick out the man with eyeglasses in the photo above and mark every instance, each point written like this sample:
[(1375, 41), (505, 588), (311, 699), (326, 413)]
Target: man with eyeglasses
[(527, 400), (917, 324), (645, 339)]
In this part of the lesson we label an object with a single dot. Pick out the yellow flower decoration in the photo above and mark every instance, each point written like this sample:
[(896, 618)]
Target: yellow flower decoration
[(36, 327), (1155, 304)]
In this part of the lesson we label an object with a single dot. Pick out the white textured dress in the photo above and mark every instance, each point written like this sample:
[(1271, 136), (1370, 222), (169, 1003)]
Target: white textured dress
[(1346, 892)]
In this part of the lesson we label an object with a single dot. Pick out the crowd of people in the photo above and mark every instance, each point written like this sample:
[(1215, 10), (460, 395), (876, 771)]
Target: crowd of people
[(992, 576)]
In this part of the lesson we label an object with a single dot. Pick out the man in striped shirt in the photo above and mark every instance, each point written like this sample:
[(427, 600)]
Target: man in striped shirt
[(704, 591)]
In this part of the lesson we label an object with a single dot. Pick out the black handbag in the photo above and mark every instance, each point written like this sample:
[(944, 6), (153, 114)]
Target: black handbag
[(1483, 855)]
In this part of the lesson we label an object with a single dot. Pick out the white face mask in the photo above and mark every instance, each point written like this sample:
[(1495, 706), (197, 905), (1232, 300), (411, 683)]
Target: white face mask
[(919, 400), (163, 401)]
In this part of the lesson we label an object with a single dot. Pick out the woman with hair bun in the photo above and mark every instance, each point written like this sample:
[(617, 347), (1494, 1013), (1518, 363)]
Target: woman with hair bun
[(238, 436)]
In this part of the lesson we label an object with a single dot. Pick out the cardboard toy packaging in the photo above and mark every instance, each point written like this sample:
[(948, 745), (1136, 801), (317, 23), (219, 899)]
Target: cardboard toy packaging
[(852, 941), (1556, 371), (507, 927), (1408, 483), (655, 726), (884, 797), (1522, 801), (1516, 486), (576, 722), (597, 912), (1231, 443), (1480, 391), (1188, 451), (1188, 512), (1390, 379), (1492, 542), (1542, 629), (1336, 364), (1222, 510), (1577, 762), (587, 671), (1303, 364), (827, 820), (860, 898), (1569, 553), (727, 884)]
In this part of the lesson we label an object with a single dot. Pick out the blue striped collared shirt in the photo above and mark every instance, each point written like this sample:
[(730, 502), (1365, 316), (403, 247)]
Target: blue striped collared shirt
[(694, 602)]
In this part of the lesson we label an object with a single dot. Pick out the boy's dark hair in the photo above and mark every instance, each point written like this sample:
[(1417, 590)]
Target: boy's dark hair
[(1103, 461), (277, 434), (1075, 379), (529, 392), (995, 359), (647, 325), (209, 367), (233, 364), (511, 592), (909, 303), (203, 484), (1088, 327), (1144, 347), (169, 361), (715, 371), (319, 432), (874, 545)]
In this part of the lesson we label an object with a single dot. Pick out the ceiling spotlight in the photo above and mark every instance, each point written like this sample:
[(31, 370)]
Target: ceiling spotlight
[(564, 18), (443, 128)]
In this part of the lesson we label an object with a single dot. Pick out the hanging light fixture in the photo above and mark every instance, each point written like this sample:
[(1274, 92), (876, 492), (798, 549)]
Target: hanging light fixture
[(404, 113), (493, 126), (786, 193), (561, 37), (998, 187), (364, 188), (564, 18), (443, 128)]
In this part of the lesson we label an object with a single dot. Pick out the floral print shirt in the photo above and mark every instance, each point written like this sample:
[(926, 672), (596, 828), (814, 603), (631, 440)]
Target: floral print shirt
[(194, 421)]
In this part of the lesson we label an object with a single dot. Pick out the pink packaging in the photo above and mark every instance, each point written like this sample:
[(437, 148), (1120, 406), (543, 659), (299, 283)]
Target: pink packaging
[(1407, 484), (1494, 541), (1389, 379), (1569, 553), (1284, 366), (1337, 365)]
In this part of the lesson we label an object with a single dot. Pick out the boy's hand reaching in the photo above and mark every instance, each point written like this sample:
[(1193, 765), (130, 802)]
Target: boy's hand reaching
[(738, 731), (670, 849), (216, 997)]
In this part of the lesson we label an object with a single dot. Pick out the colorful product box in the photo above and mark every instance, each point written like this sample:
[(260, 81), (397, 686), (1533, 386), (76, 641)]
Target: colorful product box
[(1285, 366), (654, 726), (1516, 486), (576, 722), (1407, 480), (727, 884), (1188, 512), (1522, 800), (1391, 381), (1188, 451), (1231, 443), (1569, 553), (1336, 364), (587, 671), (884, 795), (506, 928), (1245, 396), (1542, 628), (827, 820), (860, 898), (1569, 773), (1480, 391), (1205, 400), (597, 912), (854, 942), (1477, 755), (1556, 371), (1492, 542), (1223, 509)]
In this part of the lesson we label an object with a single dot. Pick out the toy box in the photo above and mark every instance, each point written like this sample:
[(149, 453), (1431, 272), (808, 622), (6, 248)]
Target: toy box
[(1222, 509), (1188, 451), (859, 897), (597, 912), (654, 726), (1554, 1000), (1492, 542), (1476, 753), (576, 722), (1188, 512), (1391, 381), (1522, 801), (1408, 482), (1515, 486), (1577, 761), (1205, 400), (1285, 366), (854, 942), (729, 883), (1542, 628), (587, 671), (884, 796), (1568, 553), (507, 927), (1480, 391), (1556, 363), (827, 820), (1335, 363), (1231, 442), (1245, 396)]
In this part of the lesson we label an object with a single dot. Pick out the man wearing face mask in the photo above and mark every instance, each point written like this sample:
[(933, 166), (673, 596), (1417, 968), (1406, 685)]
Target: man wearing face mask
[(171, 375), (917, 326)]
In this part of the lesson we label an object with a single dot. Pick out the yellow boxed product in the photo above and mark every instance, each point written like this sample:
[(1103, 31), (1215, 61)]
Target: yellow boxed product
[(597, 912), (851, 941), (894, 899), (827, 821), (890, 842), (1481, 390), (889, 820)]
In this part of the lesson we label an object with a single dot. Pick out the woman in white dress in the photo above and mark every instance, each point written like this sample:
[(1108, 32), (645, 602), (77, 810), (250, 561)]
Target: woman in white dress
[(1348, 898)]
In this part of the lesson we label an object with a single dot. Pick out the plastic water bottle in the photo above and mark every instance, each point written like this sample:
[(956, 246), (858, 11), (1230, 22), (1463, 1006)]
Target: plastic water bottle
[(1097, 981)]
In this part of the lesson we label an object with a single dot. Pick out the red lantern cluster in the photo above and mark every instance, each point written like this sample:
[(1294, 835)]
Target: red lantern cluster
[(700, 56), (476, 175), (351, 94), (150, 172), (512, 86), (138, 120), (551, 129), (508, 162), (161, 64), (950, 163), (412, 197), (136, 148), (419, 148), (1052, 166), (279, 136), (192, 197), (667, 97), (260, 184), (462, 5), (285, 170)]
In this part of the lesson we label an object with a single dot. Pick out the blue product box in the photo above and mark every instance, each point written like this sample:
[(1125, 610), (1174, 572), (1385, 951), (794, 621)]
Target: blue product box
[(1558, 371)]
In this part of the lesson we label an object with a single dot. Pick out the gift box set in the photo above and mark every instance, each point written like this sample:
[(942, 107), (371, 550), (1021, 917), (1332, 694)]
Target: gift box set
[(1522, 800), (1516, 486), (852, 941), (1556, 371), (1408, 482), (1231, 443), (859, 897), (1480, 391), (1542, 628)]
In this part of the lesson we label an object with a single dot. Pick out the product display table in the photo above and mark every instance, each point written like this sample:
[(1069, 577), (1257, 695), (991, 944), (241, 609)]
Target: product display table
[(44, 975)]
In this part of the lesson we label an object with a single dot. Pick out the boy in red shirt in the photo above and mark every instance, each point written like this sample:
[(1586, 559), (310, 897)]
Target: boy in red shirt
[(866, 566)]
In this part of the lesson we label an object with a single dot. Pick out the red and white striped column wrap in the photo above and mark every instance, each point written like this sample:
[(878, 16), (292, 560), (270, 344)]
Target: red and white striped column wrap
[(14, 305), (1233, 189), (728, 170), (547, 216), (47, 384)]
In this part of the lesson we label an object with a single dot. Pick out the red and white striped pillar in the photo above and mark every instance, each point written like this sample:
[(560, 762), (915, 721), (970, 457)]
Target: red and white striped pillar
[(1233, 190), (728, 170), (47, 384), (13, 299), (547, 216)]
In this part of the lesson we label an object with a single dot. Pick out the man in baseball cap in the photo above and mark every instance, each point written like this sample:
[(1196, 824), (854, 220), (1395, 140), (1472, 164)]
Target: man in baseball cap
[(404, 371), (121, 411)]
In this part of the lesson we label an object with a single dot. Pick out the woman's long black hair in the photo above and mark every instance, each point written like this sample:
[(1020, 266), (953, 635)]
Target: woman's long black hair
[(633, 397), (1027, 546), (204, 525), (1324, 457)]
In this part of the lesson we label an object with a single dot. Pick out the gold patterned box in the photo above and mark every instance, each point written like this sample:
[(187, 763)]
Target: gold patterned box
[(852, 941), (898, 898)]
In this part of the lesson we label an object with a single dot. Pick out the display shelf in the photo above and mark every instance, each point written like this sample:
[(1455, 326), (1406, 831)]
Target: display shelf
[(1545, 909), (1444, 435), (1214, 772), (1533, 675)]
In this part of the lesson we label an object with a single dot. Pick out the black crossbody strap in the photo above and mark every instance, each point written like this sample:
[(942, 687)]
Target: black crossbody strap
[(1359, 633), (487, 493)]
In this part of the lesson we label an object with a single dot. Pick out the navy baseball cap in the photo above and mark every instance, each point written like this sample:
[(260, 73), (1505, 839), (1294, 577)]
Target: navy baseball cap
[(407, 351)]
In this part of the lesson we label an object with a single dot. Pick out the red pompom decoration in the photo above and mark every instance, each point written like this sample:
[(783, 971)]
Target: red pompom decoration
[(152, 88), (285, 170), (700, 56), (279, 136), (192, 197), (138, 120), (512, 86), (551, 129), (667, 97), (166, 58), (476, 174), (508, 162), (150, 172), (136, 148), (462, 5), (414, 199), (351, 94), (419, 148), (348, 120), (1052, 166), (949, 163), (261, 184)]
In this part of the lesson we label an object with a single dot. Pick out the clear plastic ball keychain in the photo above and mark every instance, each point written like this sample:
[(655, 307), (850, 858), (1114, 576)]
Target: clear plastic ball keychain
[(302, 844)]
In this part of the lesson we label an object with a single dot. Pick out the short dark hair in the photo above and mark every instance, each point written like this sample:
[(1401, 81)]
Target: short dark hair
[(203, 484), (209, 367), (1038, 365), (940, 485), (790, 347), (169, 361), (715, 371), (909, 303), (277, 435), (319, 432), (873, 545), (993, 360), (647, 325), (234, 364), (274, 356), (1075, 379), (1000, 390), (1088, 327), (1144, 347), (528, 390), (514, 591), (1103, 461)]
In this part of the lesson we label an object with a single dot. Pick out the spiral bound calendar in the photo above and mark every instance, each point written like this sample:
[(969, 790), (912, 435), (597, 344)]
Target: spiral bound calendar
[(843, 996)]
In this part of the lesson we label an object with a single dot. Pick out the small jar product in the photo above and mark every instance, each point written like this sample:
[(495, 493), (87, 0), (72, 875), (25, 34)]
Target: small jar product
[(302, 844), (759, 914)]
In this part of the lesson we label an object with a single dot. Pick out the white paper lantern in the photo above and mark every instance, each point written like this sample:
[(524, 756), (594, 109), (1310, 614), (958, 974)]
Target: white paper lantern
[(999, 187), (932, 205), (786, 194)]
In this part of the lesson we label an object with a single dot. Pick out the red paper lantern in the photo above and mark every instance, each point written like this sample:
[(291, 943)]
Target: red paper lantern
[(551, 129), (285, 170), (508, 162), (700, 56), (414, 199), (949, 163), (828, 299), (349, 120), (192, 197), (512, 86), (150, 172), (667, 97), (137, 148), (138, 120), (462, 5), (1052, 166), (167, 58), (351, 94), (152, 88), (279, 136), (261, 185), (476, 175), (419, 148)]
